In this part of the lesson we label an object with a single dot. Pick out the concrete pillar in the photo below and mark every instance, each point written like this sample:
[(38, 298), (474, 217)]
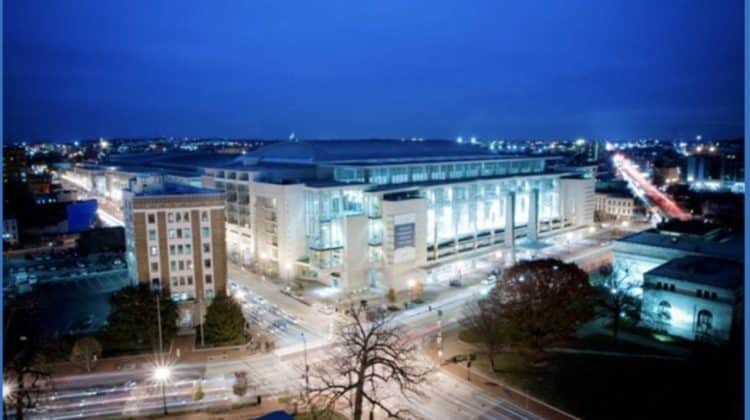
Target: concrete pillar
[(533, 225), (510, 231)]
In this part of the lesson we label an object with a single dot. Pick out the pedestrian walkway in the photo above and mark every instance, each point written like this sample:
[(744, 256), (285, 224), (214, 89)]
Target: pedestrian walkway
[(492, 385)]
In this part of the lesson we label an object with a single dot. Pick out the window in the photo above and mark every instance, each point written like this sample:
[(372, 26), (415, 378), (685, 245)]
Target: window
[(186, 216), (714, 296), (705, 319), (671, 287), (209, 294), (207, 263), (171, 250), (699, 293), (186, 233), (664, 311), (179, 233), (182, 281), (154, 266), (170, 217), (658, 285), (205, 232), (188, 249), (189, 265), (179, 249), (171, 233), (190, 280), (174, 280), (151, 235), (178, 217), (151, 218), (206, 247), (208, 279), (182, 265), (204, 216), (154, 251), (173, 265)]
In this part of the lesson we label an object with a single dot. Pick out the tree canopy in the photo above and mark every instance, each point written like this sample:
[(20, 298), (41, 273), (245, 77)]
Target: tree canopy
[(545, 300), (224, 323), (132, 322)]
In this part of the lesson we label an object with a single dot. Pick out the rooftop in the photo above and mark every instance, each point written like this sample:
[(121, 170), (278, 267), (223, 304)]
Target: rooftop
[(724, 245), (362, 152), (170, 188), (688, 227), (702, 270)]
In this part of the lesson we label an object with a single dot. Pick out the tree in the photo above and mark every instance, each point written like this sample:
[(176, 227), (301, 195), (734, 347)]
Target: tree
[(86, 351), (391, 295), (225, 323), (198, 391), (240, 384), (24, 361), (544, 300), (369, 355), (132, 322), (484, 317), (618, 293), (418, 290)]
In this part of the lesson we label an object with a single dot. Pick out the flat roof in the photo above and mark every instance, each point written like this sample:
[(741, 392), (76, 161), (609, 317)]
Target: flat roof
[(374, 152), (702, 270), (393, 187), (688, 227), (727, 245), (171, 188)]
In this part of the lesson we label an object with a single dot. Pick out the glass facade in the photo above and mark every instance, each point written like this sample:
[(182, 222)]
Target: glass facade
[(400, 174)]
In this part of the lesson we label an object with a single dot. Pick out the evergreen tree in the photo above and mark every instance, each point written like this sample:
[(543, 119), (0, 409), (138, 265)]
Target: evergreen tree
[(224, 323)]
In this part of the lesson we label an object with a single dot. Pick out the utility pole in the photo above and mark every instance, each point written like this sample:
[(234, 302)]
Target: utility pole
[(307, 367), (440, 335), (158, 319), (200, 318)]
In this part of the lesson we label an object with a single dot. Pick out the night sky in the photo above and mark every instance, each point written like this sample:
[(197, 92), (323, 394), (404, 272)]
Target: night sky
[(351, 69)]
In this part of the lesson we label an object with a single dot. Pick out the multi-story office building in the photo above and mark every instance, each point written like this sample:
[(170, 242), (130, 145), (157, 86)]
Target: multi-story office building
[(715, 169), (175, 242), (359, 214), (614, 205)]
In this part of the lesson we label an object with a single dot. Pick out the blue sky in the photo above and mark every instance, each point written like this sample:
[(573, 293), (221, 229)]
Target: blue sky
[(343, 69)]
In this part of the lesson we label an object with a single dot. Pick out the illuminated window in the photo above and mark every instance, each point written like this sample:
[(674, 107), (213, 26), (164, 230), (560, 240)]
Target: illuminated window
[(664, 311), (154, 251), (704, 322)]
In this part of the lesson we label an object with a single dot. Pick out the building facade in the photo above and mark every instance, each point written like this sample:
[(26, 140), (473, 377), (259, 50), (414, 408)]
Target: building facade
[(615, 206), (384, 214), (175, 236), (693, 297)]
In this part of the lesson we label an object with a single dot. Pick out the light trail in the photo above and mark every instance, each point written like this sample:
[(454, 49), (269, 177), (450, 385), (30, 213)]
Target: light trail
[(667, 206)]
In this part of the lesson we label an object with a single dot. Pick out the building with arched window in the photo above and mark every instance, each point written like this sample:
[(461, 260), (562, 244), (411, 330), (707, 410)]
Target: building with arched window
[(693, 297)]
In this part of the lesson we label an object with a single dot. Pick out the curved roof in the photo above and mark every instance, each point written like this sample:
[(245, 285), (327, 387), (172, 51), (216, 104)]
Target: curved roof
[(368, 151)]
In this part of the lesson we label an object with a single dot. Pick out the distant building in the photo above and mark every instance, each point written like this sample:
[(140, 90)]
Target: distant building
[(14, 164), (175, 242), (715, 169), (10, 231), (693, 297), (615, 206), (644, 251)]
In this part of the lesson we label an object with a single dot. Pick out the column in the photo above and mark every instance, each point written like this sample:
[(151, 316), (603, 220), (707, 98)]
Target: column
[(533, 224), (510, 231)]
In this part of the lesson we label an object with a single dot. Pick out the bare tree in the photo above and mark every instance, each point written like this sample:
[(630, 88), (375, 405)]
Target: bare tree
[(24, 364), (370, 354), (618, 294), (85, 353), (484, 317)]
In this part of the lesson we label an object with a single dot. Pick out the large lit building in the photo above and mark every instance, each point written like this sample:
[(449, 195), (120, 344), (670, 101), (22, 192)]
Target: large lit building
[(175, 242), (381, 214), (712, 168)]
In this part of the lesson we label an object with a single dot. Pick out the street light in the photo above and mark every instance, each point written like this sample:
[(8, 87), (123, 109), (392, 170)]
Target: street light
[(161, 375), (411, 283)]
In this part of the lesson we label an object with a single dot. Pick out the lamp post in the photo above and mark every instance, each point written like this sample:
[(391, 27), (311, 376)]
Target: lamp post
[(307, 367), (162, 374), (411, 284), (7, 391)]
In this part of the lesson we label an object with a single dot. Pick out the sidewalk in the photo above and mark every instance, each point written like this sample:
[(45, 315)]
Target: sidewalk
[(493, 386), (131, 363)]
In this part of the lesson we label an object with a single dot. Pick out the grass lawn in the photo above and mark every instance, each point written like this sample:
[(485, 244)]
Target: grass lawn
[(600, 342), (622, 388), (468, 336)]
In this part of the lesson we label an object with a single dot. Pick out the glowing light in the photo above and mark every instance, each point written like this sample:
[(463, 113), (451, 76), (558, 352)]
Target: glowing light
[(7, 390), (162, 373), (498, 254), (712, 149), (592, 229), (288, 266), (411, 283), (473, 140), (459, 139), (580, 142)]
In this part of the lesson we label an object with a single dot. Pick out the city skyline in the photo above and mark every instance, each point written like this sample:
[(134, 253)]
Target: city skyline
[(485, 70)]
